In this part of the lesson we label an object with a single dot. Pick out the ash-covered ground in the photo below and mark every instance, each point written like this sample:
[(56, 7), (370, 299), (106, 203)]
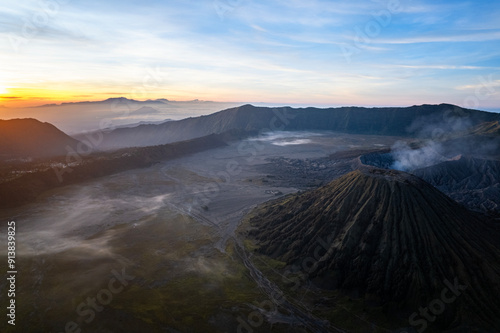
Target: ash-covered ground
[(171, 227)]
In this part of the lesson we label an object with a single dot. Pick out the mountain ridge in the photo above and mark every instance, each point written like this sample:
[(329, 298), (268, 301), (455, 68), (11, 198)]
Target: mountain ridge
[(158, 101), (27, 186), (354, 120), (30, 138)]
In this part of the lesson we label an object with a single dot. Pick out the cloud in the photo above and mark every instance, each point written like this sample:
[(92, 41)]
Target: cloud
[(448, 38), (11, 97), (489, 85), (277, 50), (145, 110), (445, 67)]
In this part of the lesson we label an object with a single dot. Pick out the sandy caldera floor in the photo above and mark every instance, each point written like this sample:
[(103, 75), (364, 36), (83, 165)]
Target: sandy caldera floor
[(151, 249)]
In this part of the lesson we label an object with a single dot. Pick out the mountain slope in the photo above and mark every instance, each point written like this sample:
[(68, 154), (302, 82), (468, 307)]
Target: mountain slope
[(24, 138), (491, 128), (357, 120), (472, 182), (27, 186), (390, 238)]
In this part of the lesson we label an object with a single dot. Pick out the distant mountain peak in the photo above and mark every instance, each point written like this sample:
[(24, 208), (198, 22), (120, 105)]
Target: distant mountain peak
[(107, 101), (111, 99)]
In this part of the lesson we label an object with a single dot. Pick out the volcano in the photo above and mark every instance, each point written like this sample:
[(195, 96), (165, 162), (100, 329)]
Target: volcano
[(390, 238)]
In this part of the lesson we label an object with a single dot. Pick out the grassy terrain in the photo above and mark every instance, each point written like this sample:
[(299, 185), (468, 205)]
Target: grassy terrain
[(179, 281)]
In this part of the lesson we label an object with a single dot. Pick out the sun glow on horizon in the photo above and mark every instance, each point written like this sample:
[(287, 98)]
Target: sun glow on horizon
[(334, 53)]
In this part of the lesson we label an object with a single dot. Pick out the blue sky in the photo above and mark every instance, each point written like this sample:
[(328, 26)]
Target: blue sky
[(383, 52)]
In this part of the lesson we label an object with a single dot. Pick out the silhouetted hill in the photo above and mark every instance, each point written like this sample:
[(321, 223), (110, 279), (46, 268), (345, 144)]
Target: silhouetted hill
[(115, 101), (473, 182), (390, 238), (357, 120), (36, 178), (24, 138)]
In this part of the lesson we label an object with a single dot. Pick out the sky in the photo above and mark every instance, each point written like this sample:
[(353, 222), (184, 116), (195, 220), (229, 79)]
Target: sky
[(315, 52)]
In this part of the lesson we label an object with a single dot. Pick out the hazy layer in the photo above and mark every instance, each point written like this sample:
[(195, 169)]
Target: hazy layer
[(217, 179), (80, 117), (170, 226)]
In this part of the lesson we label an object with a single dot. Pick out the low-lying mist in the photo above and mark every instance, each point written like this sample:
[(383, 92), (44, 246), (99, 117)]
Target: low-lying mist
[(287, 138), (82, 117), (72, 220)]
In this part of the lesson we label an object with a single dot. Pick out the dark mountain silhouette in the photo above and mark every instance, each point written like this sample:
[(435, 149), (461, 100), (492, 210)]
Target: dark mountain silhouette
[(117, 101), (50, 174), (390, 238), (82, 136), (123, 101), (25, 138), (355, 120), (473, 182)]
